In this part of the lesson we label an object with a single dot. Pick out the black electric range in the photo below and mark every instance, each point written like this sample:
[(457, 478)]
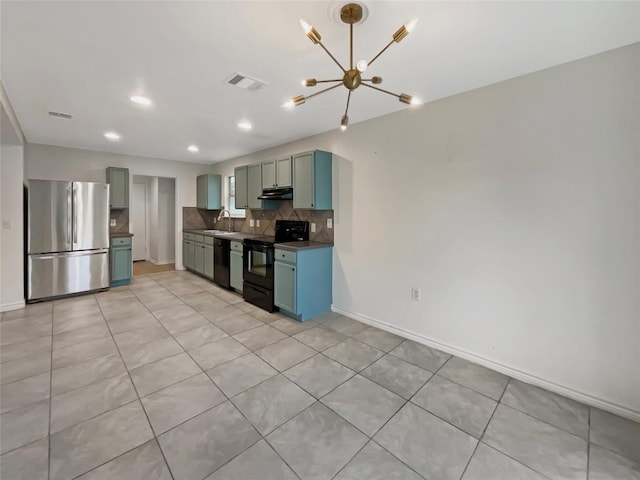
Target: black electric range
[(258, 258)]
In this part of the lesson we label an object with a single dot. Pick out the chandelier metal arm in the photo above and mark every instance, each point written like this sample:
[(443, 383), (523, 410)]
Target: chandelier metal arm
[(382, 90), (328, 81), (381, 52), (346, 110), (332, 57), (351, 46), (321, 91)]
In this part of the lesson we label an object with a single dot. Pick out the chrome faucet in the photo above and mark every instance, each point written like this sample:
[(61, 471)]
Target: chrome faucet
[(222, 216)]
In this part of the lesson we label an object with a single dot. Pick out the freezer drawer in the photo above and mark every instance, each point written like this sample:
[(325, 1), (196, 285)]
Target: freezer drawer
[(52, 275)]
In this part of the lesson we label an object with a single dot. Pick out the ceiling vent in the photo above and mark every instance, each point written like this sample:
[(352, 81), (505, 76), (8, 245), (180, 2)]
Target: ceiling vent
[(245, 82), (60, 115)]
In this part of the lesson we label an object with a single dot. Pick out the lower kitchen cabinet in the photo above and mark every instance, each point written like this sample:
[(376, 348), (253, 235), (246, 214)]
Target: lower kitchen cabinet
[(235, 266), (197, 254), (120, 265), (302, 282)]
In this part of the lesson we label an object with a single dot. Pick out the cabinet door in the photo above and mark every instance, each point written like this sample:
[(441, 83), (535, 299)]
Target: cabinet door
[(241, 187), (189, 257), (118, 180), (269, 174), (284, 289), (283, 172), (201, 191), (235, 274), (120, 264), (208, 261), (303, 181), (198, 263), (254, 186)]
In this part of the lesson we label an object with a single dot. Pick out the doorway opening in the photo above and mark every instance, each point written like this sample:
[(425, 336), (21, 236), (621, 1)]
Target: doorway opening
[(153, 224)]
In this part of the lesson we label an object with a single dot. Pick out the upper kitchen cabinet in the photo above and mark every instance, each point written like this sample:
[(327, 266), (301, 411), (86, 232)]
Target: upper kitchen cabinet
[(118, 180), (209, 189), (276, 173), (249, 188), (242, 197), (254, 185), (312, 178)]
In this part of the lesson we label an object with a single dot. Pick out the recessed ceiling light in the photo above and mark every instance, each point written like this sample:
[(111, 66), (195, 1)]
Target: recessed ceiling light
[(140, 100), (112, 135), (245, 126), (193, 148)]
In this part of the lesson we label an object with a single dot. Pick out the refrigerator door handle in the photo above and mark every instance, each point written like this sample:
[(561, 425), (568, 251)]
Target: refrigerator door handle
[(69, 209), (75, 216)]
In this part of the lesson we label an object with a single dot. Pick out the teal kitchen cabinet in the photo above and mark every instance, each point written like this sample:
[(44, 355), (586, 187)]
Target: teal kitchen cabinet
[(188, 251), (312, 180), (235, 266), (209, 192), (248, 180), (254, 186), (120, 256), (118, 180), (242, 198), (207, 269), (302, 281), (197, 254), (277, 173)]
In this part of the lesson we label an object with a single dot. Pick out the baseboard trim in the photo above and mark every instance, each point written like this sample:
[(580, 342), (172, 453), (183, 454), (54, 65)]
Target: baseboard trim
[(7, 307), (498, 367)]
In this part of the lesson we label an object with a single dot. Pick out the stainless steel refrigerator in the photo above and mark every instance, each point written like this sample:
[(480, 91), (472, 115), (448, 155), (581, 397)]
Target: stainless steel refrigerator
[(67, 238)]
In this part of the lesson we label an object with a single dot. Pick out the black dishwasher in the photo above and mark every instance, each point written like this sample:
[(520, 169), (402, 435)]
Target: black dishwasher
[(221, 259)]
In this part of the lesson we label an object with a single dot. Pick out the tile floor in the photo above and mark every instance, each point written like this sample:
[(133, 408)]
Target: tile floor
[(173, 377)]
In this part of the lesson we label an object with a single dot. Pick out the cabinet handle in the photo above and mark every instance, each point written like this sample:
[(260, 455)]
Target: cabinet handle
[(293, 269), (312, 204)]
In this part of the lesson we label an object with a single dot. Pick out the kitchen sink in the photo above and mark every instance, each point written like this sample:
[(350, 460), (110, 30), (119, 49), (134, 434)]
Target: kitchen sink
[(218, 232)]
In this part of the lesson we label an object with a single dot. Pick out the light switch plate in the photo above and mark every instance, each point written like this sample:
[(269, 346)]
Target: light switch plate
[(252, 223), (313, 228), (113, 222), (6, 223), (329, 222), (257, 223)]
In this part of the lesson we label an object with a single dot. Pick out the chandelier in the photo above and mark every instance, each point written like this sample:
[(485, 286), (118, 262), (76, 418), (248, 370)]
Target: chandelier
[(352, 77)]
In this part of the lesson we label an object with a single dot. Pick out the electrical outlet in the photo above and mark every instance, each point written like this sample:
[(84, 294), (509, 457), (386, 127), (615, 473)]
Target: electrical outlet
[(257, 223), (6, 223), (252, 223), (415, 294), (329, 222), (313, 228), (112, 223)]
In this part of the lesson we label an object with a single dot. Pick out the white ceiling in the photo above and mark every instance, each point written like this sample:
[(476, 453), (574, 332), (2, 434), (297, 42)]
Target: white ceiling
[(87, 58)]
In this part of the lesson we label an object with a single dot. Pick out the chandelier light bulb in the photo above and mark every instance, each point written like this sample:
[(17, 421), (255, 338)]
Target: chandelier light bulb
[(305, 26), (411, 25), (362, 65), (415, 101), (344, 123), (288, 104)]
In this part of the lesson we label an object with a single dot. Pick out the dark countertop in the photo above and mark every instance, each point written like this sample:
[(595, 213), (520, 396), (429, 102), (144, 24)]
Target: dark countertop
[(120, 234), (238, 236), (295, 246)]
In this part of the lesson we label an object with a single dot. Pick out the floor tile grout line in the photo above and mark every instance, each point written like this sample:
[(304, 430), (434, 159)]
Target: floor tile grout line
[(50, 403), (481, 439), (139, 399)]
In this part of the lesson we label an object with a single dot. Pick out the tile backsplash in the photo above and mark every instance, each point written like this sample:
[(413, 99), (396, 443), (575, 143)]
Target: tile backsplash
[(206, 219), (121, 216)]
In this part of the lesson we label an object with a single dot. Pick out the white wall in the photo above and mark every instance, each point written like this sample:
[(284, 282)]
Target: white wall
[(166, 215), (61, 163), (11, 207), (11, 234), (516, 209)]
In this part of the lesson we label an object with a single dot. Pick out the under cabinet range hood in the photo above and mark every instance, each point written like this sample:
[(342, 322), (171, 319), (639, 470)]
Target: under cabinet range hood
[(276, 194)]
